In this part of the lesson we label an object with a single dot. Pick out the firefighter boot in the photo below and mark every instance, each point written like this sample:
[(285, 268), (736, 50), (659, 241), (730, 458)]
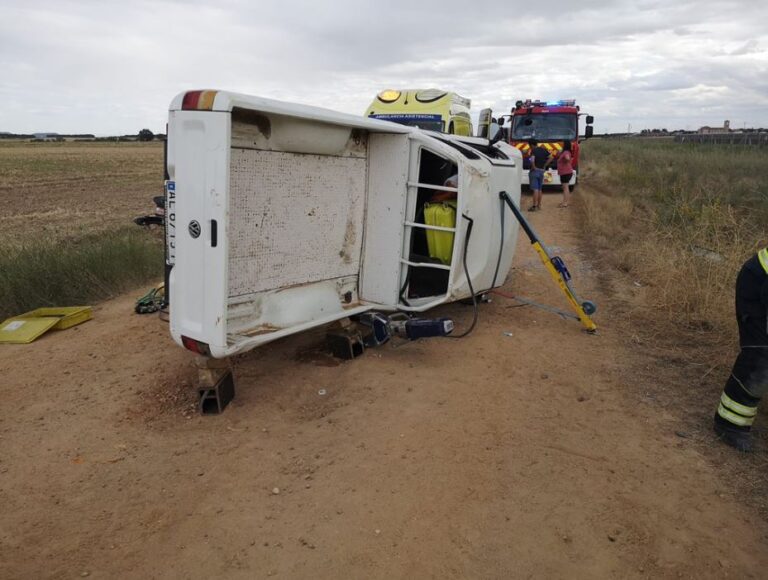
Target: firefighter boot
[(736, 436), (737, 409)]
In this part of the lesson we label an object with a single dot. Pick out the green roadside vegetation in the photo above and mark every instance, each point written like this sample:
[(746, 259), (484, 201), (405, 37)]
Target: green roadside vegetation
[(80, 272)]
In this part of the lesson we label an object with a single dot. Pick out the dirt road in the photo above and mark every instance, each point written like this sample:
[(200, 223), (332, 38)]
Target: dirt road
[(522, 451)]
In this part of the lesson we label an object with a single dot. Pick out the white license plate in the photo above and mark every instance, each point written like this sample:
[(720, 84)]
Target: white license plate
[(170, 222)]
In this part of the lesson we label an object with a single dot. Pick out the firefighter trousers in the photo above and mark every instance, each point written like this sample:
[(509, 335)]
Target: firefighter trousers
[(748, 382)]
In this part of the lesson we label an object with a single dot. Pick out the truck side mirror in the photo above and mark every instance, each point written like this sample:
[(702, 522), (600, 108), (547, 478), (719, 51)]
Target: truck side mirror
[(495, 133), (484, 123), (588, 131), (590, 119)]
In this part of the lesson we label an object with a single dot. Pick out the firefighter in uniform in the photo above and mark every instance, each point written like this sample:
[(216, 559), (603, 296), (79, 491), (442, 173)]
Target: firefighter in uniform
[(749, 378)]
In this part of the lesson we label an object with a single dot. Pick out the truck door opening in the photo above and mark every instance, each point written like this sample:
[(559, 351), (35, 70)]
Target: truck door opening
[(435, 208)]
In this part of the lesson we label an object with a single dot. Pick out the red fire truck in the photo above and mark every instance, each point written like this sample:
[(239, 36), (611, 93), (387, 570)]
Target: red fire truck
[(550, 123)]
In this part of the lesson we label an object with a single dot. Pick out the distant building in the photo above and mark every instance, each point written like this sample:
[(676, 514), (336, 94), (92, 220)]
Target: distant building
[(726, 128), (46, 136)]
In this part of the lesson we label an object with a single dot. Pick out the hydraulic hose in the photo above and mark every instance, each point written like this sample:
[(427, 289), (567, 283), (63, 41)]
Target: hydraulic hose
[(469, 280), (501, 244)]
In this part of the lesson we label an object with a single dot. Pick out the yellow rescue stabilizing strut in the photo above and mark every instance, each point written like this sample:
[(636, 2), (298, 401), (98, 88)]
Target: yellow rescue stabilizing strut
[(556, 268)]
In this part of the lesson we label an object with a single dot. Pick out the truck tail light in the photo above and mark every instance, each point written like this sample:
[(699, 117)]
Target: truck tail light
[(196, 346), (198, 101)]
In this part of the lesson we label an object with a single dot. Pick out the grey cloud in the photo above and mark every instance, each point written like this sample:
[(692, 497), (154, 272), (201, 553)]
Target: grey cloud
[(749, 47), (112, 67)]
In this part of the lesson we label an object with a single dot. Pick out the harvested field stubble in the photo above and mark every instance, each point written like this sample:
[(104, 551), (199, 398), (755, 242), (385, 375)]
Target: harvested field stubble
[(66, 190)]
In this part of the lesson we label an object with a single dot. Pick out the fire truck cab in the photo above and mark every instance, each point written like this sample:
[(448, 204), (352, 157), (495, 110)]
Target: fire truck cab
[(551, 123)]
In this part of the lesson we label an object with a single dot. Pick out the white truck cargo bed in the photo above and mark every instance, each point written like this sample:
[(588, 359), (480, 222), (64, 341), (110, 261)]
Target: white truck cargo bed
[(288, 217)]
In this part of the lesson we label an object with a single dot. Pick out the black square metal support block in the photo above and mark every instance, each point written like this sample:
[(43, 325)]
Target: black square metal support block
[(214, 399), (346, 343)]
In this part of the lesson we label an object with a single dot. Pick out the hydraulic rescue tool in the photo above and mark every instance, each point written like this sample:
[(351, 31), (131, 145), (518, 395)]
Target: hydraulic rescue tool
[(556, 268), (382, 327)]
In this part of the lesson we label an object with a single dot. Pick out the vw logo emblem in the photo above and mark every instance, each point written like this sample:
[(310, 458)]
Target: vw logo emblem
[(194, 229)]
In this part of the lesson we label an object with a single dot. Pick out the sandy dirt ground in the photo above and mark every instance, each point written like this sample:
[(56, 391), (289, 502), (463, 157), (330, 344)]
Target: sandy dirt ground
[(525, 450)]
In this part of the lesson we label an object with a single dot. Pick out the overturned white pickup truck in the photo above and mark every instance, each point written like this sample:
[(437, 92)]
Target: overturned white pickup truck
[(284, 217)]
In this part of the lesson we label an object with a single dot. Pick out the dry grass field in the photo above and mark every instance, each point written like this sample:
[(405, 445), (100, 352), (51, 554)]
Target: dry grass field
[(680, 219)]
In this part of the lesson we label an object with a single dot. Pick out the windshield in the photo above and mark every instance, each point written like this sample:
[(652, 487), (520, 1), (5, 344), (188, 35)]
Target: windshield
[(545, 127), (426, 122)]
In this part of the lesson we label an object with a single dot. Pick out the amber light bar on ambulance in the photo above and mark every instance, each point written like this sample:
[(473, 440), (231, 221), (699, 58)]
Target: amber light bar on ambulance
[(198, 101)]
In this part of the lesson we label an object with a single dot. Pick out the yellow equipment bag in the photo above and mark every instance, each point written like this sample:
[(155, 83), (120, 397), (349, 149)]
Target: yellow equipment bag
[(440, 244)]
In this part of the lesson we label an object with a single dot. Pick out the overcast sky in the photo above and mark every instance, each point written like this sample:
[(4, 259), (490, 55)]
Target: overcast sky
[(112, 67)]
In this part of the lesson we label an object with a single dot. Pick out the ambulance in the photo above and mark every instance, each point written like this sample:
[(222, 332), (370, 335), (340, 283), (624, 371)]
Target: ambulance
[(288, 217), (429, 109)]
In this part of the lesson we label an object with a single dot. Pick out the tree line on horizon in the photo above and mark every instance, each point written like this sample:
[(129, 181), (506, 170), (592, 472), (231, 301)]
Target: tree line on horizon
[(142, 135)]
